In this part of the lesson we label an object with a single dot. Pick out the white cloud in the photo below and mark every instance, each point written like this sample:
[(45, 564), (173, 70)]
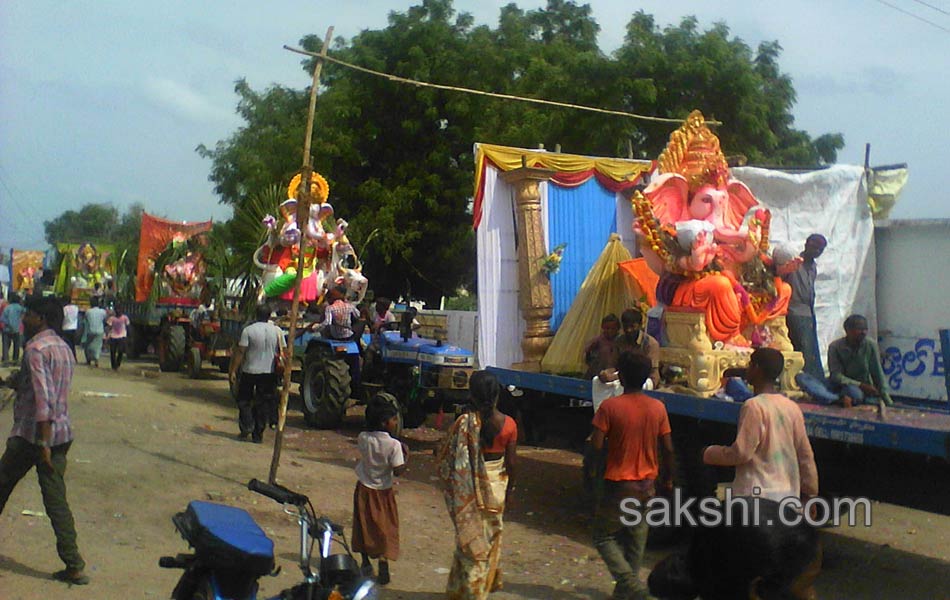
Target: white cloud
[(185, 102)]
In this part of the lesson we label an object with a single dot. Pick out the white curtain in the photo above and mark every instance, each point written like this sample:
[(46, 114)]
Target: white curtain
[(500, 326)]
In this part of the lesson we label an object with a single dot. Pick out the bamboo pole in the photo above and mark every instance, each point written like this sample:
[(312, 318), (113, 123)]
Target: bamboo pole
[(303, 213)]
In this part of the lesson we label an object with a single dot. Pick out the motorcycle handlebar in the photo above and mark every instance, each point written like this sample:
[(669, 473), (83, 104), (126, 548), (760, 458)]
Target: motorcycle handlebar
[(277, 493), (324, 524)]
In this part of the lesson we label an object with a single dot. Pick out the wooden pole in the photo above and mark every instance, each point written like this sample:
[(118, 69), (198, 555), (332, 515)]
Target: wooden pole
[(303, 214)]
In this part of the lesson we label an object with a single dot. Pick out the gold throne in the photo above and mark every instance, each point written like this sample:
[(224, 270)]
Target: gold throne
[(690, 348)]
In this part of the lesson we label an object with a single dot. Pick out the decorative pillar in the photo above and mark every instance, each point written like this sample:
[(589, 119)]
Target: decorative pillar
[(534, 288)]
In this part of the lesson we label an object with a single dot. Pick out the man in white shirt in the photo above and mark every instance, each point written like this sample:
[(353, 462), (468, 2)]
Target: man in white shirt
[(95, 331), (255, 358), (70, 323)]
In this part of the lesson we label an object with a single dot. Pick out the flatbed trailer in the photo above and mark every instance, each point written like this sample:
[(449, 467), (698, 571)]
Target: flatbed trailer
[(905, 428), (903, 458)]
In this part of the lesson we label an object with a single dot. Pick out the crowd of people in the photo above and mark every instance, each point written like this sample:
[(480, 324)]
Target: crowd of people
[(98, 327), (632, 436)]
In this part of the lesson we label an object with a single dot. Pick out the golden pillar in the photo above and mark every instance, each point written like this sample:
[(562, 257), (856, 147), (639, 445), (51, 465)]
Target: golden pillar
[(534, 288)]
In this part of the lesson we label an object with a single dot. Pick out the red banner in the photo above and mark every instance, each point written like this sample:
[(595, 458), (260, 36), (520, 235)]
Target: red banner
[(156, 234)]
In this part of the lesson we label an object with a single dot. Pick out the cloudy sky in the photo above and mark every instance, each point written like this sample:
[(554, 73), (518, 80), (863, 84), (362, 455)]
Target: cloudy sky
[(106, 100)]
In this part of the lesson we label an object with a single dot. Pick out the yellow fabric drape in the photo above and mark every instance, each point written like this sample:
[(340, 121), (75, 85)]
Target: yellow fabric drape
[(507, 159), (603, 291), (886, 186)]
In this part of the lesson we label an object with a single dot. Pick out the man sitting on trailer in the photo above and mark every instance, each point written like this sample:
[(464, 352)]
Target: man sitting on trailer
[(339, 316), (855, 366)]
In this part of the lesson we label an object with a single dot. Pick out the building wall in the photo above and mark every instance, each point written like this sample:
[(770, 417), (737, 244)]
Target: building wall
[(913, 302)]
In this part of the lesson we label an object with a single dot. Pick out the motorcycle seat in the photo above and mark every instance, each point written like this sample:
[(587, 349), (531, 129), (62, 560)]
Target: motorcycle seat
[(226, 537)]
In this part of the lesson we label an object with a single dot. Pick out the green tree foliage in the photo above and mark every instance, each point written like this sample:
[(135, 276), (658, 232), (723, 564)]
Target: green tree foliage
[(399, 158), (99, 223)]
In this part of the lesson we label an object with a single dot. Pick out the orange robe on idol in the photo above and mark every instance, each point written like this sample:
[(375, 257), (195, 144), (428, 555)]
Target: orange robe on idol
[(726, 315)]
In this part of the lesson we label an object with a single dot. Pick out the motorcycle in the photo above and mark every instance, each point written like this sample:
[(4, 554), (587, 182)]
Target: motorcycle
[(232, 553)]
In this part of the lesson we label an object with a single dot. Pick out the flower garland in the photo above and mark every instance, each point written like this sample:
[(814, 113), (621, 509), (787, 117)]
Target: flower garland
[(551, 263)]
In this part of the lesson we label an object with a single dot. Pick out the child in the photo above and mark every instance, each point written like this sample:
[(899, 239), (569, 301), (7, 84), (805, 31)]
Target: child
[(772, 455), (375, 516), (382, 316)]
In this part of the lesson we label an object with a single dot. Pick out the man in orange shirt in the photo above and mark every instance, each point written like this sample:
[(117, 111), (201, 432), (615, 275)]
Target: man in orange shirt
[(637, 432)]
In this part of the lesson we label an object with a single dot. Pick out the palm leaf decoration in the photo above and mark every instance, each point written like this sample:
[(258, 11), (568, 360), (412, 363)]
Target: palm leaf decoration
[(246, 234), (125, 269)]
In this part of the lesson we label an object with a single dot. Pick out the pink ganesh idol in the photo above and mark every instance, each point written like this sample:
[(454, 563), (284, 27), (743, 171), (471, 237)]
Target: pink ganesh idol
[(706, 235)]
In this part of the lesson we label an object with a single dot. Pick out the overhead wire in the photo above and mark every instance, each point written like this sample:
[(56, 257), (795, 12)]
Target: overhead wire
[(453, 88), (931, 6), (22, 232), (915, 16)]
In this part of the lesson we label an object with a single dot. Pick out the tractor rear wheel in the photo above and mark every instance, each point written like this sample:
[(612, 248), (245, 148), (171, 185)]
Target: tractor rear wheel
[(325, 389), (172, 349)]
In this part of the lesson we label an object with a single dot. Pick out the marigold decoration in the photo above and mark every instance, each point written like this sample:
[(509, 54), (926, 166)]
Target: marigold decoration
[(551, 263), (319, 188)]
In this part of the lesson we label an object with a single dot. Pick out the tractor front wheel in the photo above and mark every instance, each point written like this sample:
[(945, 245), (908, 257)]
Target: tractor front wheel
[(325, 389), (193, 362)]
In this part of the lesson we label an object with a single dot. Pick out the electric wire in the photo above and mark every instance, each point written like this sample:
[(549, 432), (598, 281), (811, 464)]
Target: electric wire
[(453, 88), (910, 14), (931, 6)]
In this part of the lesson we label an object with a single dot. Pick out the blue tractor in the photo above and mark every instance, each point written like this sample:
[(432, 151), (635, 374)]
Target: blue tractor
[(424, 375)]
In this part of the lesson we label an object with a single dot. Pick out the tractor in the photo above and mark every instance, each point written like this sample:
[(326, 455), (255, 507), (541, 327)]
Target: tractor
[(183, 343), (425, 375)]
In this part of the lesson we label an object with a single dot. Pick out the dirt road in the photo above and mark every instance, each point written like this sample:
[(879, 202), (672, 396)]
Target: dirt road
[(141, 456)]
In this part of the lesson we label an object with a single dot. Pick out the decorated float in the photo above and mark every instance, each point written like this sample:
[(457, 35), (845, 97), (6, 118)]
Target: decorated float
[(81, 268), (328, 257)]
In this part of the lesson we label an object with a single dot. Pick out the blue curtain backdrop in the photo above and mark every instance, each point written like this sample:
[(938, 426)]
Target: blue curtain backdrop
[(583, 217)]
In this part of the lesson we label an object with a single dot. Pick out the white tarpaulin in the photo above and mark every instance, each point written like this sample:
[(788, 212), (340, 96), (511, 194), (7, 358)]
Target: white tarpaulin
[(832, 202)]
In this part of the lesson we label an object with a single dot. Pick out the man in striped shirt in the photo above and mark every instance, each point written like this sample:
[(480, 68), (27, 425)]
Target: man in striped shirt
[(41, 434)]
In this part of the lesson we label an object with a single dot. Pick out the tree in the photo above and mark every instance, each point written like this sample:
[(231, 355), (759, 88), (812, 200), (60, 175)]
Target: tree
[(99, 223), (94, 222), (399, 158), (673, 71)]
